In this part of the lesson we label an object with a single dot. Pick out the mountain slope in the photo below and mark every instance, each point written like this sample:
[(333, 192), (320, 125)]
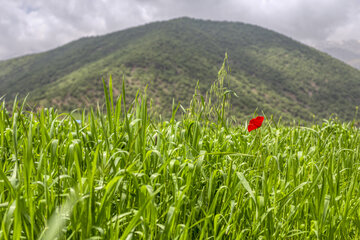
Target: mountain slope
[(347, 51), (270, 72)]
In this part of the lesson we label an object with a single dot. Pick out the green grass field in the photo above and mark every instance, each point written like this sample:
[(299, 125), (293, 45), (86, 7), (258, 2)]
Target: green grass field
[(123, 173)]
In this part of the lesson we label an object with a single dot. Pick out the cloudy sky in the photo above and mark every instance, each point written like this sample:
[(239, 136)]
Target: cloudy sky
[(29, 26)]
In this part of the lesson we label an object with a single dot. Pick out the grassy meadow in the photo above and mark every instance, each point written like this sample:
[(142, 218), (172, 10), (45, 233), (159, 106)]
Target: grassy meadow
[(123, 173)]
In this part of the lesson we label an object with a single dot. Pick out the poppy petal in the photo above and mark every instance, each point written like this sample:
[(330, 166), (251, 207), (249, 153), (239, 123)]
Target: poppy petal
[(255, 123), (252, 127)]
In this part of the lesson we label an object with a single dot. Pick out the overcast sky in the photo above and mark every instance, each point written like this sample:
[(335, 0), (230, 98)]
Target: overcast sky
[(29, 26)]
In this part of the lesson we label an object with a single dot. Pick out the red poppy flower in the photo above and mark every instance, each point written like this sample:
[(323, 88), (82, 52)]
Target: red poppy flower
[(255, 123)]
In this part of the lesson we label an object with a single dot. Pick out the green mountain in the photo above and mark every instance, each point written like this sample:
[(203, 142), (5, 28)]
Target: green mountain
[(270, 71)]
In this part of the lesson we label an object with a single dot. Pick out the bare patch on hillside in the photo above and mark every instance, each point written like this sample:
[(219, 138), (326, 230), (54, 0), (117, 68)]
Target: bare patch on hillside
[(314, 86)]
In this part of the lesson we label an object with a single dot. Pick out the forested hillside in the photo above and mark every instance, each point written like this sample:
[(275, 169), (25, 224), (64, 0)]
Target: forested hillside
[(269, 71)]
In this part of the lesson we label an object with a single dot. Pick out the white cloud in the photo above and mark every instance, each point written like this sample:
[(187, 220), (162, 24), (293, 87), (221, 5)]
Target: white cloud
[(38, 25)]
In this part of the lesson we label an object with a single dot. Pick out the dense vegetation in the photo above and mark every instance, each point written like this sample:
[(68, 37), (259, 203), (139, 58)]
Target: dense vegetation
[(123, 174), (270, 72)]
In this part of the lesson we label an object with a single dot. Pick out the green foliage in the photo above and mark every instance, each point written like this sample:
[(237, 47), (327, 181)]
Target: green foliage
[(121, 174)]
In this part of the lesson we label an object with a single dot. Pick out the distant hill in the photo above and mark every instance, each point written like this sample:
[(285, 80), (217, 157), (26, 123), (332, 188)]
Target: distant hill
[(347, 51), (270, 71)]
